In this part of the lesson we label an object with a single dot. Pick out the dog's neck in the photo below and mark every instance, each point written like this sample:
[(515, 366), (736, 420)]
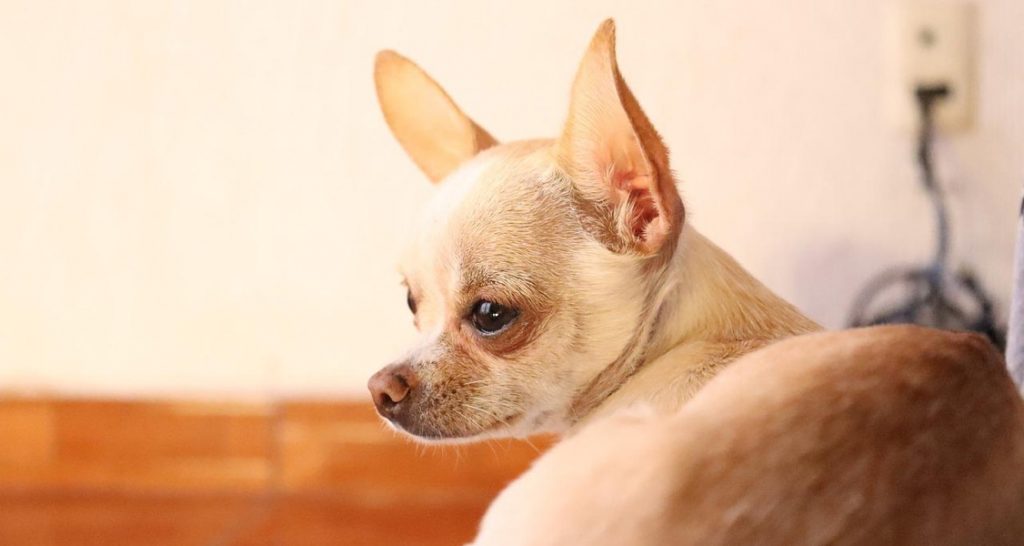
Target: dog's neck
[(703, 298), (711, 298)]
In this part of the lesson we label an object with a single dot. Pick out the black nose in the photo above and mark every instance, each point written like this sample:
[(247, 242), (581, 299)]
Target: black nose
[(390, 386)]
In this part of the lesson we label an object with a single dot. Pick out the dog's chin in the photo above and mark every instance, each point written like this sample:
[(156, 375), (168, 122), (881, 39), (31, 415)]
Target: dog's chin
[(430, 434)]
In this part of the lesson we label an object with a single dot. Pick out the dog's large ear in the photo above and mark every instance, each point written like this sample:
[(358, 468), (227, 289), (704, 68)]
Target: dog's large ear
[(616, 159), (424, 119)]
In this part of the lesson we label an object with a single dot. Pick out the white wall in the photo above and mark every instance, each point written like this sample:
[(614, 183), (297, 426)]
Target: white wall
[(201, 198)]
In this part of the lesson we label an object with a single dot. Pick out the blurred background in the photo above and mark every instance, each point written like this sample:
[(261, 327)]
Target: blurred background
[(201, 208)]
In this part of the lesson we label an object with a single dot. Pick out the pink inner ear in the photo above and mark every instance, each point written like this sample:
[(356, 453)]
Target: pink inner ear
[(643, 212), (643, 209), (630, 181)]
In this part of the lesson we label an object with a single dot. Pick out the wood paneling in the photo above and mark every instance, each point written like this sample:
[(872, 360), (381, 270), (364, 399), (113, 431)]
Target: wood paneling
[(339, 447), (79, 472), (26, 438), (75, 518), (316, 520), (142, 446)]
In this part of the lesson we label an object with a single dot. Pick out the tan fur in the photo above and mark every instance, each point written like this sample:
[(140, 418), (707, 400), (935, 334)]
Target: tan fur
[(889, 435), (619, 300), (613, 154), (431, 128)]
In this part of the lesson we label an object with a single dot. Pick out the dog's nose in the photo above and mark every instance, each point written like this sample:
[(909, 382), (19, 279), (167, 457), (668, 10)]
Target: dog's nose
[(390, 386)]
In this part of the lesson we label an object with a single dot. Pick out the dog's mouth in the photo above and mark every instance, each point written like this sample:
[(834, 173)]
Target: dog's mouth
[(431, 432)]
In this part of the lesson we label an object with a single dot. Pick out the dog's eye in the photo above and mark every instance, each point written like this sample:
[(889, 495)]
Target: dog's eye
[(410, 301), (490, 318)]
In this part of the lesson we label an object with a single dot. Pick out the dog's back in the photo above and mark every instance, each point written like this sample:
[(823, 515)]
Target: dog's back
[(889, 435)]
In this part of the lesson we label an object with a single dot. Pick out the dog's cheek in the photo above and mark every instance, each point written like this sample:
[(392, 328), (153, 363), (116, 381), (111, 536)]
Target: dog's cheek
[(531, 382), (506, 389), (553, 358)]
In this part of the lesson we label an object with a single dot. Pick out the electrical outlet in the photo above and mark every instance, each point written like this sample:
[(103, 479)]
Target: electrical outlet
[(930, 43)]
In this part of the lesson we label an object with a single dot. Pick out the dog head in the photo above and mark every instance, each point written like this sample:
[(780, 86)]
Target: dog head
[(536, 263)]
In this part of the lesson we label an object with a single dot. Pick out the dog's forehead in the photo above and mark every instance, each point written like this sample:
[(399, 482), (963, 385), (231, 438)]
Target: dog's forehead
[(502, 209), (493, 182), (433, 242)]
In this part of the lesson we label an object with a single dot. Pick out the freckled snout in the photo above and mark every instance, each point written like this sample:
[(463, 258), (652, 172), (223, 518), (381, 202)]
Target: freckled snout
[(389, 387)]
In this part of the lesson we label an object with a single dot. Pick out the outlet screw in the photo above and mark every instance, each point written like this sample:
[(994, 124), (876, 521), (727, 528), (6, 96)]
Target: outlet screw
[(926, 37)]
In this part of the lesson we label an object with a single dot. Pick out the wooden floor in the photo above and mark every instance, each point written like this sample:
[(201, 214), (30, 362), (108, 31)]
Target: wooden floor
[(162, 474)]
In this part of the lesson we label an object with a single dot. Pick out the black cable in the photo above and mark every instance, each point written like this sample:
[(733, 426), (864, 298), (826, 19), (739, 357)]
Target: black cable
[(930, 301), (926, 99)]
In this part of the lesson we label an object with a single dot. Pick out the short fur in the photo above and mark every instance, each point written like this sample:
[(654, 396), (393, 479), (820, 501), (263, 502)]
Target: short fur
[(619, 299), (892, 435)]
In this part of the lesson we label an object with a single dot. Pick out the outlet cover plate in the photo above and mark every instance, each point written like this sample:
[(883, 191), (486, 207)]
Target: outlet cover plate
[(930, 43)]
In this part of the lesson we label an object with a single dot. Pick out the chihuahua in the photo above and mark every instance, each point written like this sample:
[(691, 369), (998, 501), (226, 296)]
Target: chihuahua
[(556, 280)]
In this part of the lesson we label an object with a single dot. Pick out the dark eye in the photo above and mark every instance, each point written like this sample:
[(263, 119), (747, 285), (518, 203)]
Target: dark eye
[(410, 301), (490, 318)]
